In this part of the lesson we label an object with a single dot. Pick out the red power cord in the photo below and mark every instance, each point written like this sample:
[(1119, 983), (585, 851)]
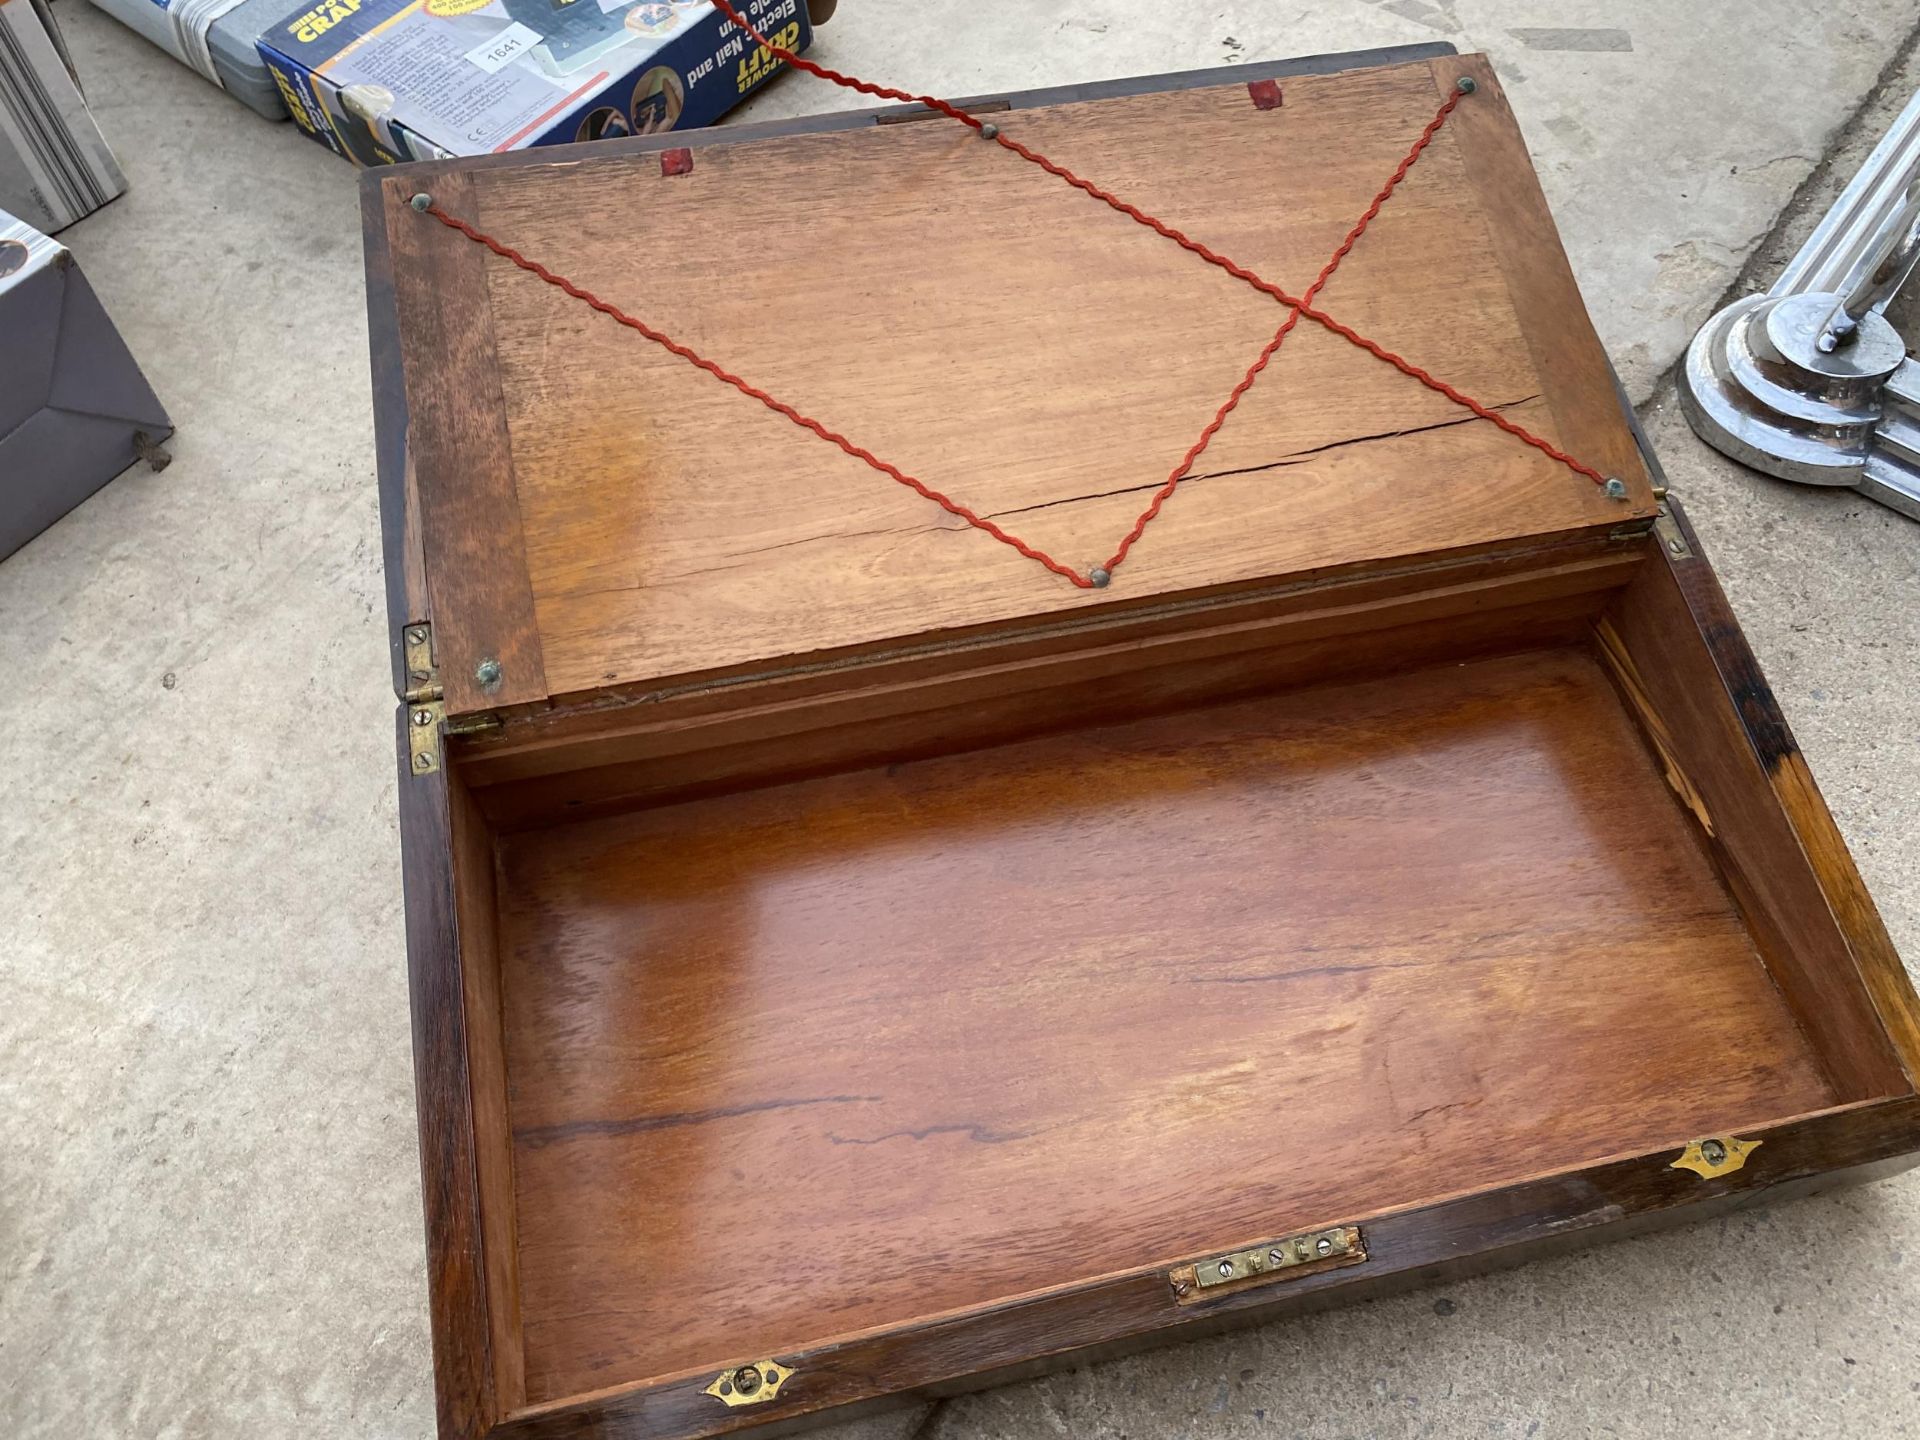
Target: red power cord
[(1296, 306)]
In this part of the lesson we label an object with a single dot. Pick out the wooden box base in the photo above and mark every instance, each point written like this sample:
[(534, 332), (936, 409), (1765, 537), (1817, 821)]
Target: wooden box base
[(847, 1058), (851, 964)]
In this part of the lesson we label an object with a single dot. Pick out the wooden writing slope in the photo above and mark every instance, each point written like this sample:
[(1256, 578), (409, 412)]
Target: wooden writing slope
[(851, 961)]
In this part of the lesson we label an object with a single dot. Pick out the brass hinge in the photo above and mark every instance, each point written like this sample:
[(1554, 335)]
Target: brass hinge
[(423, 676), (1275, 1260), (426, 703), (753, 1384)]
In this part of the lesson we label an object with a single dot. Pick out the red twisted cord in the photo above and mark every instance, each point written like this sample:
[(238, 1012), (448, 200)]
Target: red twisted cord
[(1239, 272), (1180, 472), (951, 506), (1297, 306), (693, 357)]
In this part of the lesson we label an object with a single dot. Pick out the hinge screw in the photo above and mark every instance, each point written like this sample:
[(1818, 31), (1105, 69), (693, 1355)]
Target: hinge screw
[(1325, 1245), (423, 762), (1466, 85), (1226, 1267), (1616, 488), (1278, 1257), (487, 672), (423, 717), (417, 635), (421, 202)]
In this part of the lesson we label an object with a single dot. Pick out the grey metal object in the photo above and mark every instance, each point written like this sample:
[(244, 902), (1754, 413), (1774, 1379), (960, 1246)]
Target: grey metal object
[(1810, 382), (219, 40), (74, 409)]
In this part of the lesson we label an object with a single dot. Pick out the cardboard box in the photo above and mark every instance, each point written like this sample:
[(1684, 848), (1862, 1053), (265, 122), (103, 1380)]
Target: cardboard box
[(381, 81), (54, 166), (74, 408)]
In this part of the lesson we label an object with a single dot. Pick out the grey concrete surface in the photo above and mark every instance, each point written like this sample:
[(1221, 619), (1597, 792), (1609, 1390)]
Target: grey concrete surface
[(209, 1202)]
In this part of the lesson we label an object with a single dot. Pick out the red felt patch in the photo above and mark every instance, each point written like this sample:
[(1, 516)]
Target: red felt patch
[(1266, 93), (676, 162)]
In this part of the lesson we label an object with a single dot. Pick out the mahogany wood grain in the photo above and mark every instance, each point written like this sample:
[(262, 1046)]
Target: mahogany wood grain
[(1681, 660), (1887, 980), (1574, 372), (953, 1031), (459, 457), (476, 908), (1443, 1242), (994, 664), (1059, 359), (458, 1300), (967, 709)]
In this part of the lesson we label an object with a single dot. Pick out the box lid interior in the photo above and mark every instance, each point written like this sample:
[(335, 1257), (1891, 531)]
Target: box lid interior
[(589, 512)]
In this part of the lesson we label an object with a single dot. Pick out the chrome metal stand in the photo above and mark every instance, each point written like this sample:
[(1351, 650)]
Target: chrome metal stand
[(1810, 382)]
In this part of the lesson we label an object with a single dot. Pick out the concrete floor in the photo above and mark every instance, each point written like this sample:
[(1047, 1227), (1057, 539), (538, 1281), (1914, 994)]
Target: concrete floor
[(209, 1204)]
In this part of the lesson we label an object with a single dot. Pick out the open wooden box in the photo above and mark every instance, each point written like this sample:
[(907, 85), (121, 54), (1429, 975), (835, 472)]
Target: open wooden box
[(851, 963)]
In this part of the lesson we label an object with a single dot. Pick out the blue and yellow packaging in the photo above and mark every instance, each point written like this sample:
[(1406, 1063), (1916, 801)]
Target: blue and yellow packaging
[(381, 81)]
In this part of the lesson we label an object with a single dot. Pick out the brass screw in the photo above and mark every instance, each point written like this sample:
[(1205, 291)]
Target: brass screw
[(418, 635), (423, 717), (1278, 1257), (1226, 1268), (1325, 1246), (423, 762)]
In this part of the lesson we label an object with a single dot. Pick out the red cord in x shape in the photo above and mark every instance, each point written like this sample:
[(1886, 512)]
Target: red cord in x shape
[(1297, 306)]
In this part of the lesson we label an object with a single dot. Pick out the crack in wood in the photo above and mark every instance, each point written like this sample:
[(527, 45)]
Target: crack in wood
[(1295, 457), (540, 1136)]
